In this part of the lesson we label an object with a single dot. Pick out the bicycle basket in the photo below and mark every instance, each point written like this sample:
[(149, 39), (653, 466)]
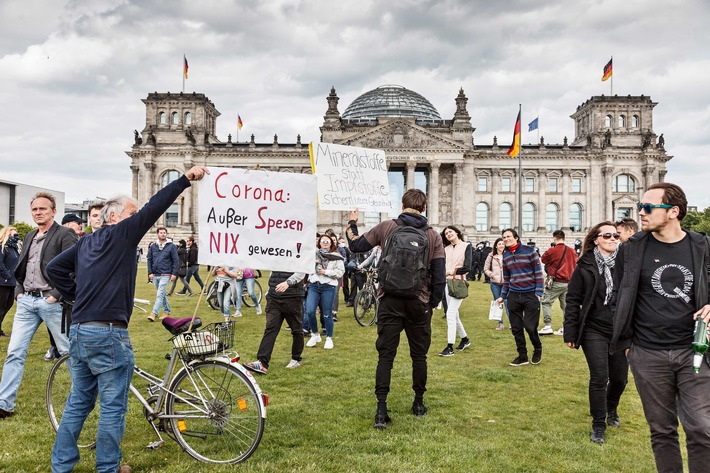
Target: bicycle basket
[(210, 340)]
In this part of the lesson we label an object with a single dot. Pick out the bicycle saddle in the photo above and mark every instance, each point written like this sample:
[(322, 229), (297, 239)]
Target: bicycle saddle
[(177, 326)]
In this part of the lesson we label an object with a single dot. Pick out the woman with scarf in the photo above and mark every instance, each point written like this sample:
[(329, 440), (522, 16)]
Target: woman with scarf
[(588, 323), (322, 285), (9, 255)]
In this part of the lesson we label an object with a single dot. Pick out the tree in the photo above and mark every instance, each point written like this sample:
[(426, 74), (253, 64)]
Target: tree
[(698, 221), (23, 229)]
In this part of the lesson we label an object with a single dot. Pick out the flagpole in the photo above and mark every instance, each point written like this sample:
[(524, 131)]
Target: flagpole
[(520, 176)]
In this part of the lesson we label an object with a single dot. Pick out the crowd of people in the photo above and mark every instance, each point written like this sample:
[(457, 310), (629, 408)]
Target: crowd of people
[(630, 298)]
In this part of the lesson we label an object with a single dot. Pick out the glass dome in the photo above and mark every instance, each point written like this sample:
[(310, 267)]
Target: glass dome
[(391, 101)]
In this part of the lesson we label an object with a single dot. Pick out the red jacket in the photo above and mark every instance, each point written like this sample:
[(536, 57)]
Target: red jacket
[(551, 258)]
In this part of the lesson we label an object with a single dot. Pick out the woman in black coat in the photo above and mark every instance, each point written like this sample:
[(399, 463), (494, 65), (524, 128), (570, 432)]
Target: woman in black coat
[(588, 323), (9, 255), (182, 271)]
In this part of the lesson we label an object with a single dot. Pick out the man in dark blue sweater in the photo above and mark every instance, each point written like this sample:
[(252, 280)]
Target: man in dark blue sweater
[(102, 359)]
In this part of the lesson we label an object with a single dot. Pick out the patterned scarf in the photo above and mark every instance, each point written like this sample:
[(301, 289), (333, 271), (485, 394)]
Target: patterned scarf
[(605, 264)]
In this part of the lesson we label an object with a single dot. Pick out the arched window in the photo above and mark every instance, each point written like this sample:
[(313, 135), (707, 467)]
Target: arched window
[(529, 217), (188, 118), (608, 121), (176, 118), (505, 216), (171, 215), (635, 121), (552, 214), (482, 217), (624, 183), (162, 118), (622, 121), (575, 217)]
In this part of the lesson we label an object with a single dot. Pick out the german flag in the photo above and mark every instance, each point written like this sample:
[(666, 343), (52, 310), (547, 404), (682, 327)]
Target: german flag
[(607, 71), (184, 69), (240, 123), (514, 149)]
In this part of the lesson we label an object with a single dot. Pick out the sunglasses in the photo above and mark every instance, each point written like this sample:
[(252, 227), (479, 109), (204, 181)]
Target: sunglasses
[(607, 236), (648, 208)]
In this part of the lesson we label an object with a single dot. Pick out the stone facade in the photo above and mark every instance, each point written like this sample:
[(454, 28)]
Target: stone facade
[(614, 156)]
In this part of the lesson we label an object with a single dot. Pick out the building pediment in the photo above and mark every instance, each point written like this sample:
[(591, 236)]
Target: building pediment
[(402, 135), (626, 200)]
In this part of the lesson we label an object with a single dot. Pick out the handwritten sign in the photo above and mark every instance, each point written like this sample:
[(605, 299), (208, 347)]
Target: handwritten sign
[(350, 177), (257, 219)]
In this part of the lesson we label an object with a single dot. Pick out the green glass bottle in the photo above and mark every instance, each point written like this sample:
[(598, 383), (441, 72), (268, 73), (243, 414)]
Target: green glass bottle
[(700, 343)]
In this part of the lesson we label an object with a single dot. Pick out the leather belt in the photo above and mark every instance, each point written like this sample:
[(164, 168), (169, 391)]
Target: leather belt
[(37, 293), (106, 323)]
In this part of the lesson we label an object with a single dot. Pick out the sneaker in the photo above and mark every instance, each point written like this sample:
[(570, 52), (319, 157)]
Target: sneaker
[(419, 409), (546, 330), (125, 469), (519, 361), (537, 357), (51, 354), (315, 339), (227, 319), (560, 332), (151, 318), (237, 314), (382, 419), (4, 413), (448, 351), (597, 435), (258, 309), (293, 364), (256, 367), (465, 343), (612, 419), (181, 293), (328, 345), (500, 326)]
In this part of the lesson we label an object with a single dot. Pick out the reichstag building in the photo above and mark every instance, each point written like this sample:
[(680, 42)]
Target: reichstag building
[(599, 174)]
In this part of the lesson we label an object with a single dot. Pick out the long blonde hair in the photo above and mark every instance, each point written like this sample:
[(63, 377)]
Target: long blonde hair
[(5, 235)]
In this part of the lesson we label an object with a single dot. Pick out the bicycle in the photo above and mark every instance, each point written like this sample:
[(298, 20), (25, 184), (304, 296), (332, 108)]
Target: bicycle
[(211, 406), (366, 302), (246, 299)]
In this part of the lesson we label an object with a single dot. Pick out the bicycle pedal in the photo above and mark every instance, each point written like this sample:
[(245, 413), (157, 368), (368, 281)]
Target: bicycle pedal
[(156, 445)]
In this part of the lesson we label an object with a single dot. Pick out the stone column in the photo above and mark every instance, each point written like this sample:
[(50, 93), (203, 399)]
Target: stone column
[(458, 194), (607, 172), (468, 192), (134, 188), (409, 184), (542, 201), (495, 201), (649, 171), (566, 182), (433, 197), (187, 211)]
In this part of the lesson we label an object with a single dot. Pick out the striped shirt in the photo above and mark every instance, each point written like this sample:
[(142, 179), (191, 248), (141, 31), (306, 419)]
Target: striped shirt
[(522, 271)]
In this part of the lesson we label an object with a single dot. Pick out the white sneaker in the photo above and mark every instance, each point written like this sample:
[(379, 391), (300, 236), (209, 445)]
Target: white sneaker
[(315, 339), (258, 309), (546, 330), (561, 331), (293, 364), (328, 343), (237, 314)]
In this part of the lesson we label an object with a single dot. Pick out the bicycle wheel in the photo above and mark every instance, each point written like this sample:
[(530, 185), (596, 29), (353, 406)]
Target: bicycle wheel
[(246, 298), (365, 307), (58, 388), (212, 296), (215, 413)]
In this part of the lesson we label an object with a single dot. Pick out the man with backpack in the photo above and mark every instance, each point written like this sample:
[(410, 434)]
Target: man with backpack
[(412, 278)]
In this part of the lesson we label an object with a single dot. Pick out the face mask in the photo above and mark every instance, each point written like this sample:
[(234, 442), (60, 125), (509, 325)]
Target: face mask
[(14, 238)]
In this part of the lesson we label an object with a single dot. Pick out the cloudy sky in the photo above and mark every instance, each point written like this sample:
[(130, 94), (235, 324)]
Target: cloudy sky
[(74, 71)]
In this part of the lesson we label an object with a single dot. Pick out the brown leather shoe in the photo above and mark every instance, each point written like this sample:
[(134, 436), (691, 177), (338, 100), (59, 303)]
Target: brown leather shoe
[(4, 413)]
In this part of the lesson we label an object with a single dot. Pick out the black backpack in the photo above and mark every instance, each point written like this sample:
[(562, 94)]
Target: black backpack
[(403, 268)]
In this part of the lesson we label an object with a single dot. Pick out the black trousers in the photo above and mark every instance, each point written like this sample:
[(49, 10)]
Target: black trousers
[(358, 280), (277, 310), (524, 316), (414, 317), (7, 299)]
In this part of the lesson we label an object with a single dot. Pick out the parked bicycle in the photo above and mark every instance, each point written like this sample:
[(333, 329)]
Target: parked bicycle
[(246, 299), (207, 402), (366, 302)]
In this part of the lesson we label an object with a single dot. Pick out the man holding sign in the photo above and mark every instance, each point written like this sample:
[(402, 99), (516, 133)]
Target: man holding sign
[(412, 279)]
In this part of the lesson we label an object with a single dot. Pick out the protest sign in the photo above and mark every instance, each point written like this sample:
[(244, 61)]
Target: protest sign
[(351, 178), (257, 219)]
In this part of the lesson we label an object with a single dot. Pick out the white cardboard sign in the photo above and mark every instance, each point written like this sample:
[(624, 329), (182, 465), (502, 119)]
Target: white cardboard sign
[(257, 219)]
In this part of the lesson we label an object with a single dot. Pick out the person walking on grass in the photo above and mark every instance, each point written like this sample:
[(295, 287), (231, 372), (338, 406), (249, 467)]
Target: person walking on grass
[(182, 271), (423, 279), (559, 261), (588, 324), (493, 269), (322, 285), (284, 301), (458, 262), (522, 289), (163, 264), (660, 289)]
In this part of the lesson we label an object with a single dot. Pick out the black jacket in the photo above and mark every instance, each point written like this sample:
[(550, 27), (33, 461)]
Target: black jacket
[(627, 271)]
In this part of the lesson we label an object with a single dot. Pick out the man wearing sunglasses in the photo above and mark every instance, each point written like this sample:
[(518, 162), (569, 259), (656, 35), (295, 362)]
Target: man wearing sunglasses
[(660, 288)]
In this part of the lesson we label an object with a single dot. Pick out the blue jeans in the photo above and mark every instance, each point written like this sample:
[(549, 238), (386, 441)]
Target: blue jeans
[(320, 295), (101, 363), (224, 298), (240, 291), (496, 289), (31, 312), (161, 300), (194, 271)]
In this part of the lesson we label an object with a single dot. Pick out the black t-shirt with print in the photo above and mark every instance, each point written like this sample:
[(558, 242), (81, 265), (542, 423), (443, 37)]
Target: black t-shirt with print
[(665, 303)]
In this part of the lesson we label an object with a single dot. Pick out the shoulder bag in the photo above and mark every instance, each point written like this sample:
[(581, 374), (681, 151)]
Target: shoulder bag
[(550, 278), (457, 287)]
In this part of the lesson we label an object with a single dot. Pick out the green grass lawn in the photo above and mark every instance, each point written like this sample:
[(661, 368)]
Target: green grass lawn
[(484, 416)]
